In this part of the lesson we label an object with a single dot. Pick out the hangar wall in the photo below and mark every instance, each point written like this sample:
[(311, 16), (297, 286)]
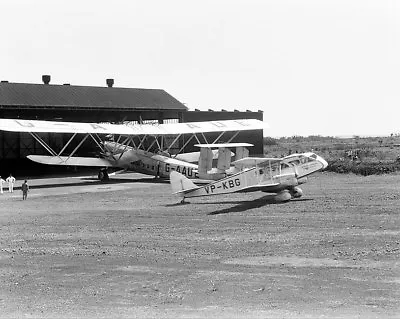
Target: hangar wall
[(92, 104)]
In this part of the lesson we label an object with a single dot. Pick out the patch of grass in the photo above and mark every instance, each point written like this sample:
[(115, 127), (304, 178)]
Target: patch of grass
[(363, 156), (364, 168)]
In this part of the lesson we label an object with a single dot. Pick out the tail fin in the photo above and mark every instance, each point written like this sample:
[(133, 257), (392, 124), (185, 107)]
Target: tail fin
[(180, 184), (205, 160)]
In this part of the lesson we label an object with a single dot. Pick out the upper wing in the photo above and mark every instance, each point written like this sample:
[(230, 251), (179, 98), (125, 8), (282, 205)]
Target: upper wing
[(225, 145), (254, 161), (16, 125)]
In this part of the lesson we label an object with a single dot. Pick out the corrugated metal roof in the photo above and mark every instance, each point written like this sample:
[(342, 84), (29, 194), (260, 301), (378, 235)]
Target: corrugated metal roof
[(49, 95)]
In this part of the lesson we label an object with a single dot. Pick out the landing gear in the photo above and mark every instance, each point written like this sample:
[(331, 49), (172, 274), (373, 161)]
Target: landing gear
[(296, 192), (103, 175), (283, 196)]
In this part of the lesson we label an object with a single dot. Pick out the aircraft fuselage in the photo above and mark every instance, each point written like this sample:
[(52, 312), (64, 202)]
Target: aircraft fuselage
[(161, 166), (149, 163)]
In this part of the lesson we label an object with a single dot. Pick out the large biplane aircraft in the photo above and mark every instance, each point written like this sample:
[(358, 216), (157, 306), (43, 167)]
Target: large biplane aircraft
[(129, 152), (280, 176)]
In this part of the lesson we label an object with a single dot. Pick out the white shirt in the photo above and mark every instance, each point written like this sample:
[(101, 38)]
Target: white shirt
[(11, 179)]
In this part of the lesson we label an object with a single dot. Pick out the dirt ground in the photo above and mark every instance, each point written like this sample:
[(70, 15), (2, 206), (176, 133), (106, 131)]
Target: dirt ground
[(126, 249)]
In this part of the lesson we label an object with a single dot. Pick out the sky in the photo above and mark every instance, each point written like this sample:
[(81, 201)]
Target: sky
[(314, 67)]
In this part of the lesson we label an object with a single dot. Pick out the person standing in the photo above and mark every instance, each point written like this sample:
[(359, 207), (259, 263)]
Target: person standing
[(1, 185), (10, 180), (25, 189)]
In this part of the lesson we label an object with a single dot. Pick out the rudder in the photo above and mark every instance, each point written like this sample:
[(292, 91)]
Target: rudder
[(180, 184)]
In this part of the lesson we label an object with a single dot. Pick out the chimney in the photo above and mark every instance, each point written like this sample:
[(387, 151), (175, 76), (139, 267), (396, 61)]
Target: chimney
[(110, 82), (46, 79)]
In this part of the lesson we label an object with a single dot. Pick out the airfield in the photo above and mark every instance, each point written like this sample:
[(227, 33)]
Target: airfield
[(127, 249)]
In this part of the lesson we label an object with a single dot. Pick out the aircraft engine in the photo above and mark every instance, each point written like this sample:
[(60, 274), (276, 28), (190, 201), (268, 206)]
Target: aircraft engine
[(296, 192)]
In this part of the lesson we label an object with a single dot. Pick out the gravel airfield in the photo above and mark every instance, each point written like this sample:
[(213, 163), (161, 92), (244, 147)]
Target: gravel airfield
[(127, 249)]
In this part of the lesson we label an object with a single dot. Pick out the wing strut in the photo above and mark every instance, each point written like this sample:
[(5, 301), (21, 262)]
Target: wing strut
[(43, 143), (66, 145), (187, 142), (173, 142), (142, 140), (78, 146), (217, 139), (234, 135)]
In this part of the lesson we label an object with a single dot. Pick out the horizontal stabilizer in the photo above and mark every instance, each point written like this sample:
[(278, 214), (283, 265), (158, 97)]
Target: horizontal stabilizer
[(227, 145), (193, 157), (71, 161)]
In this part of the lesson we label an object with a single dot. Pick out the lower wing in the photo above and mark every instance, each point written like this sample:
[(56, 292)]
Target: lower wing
[(72, 161)]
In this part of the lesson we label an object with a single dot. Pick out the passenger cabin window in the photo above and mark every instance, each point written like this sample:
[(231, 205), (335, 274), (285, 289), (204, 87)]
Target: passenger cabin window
[(295, 162)]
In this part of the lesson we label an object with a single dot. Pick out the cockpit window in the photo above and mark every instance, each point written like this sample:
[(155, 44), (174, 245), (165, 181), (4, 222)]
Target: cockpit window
[(284, 165), (313, 156)]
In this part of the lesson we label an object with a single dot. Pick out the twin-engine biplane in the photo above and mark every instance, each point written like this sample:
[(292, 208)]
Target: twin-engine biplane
[(133, 147), (280, 176)]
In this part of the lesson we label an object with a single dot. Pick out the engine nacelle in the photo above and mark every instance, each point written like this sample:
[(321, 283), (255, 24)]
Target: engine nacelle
[(296, 192)]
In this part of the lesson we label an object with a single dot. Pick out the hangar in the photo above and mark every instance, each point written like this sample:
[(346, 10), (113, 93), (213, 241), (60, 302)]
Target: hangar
[(75, 103)]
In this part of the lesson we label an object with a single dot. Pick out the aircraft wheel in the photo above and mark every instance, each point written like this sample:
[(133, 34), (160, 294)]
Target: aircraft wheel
[(103, 175), (296, 192), (283, 196)]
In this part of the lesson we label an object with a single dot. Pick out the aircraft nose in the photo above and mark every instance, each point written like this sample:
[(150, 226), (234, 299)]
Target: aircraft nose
[(323, 162)]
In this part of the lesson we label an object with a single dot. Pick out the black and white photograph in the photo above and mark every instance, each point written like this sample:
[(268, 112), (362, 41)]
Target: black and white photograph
[(200, 159)]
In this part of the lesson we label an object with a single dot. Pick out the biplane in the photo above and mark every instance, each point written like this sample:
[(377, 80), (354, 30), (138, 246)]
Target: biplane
[(130, 149), (280, 176)]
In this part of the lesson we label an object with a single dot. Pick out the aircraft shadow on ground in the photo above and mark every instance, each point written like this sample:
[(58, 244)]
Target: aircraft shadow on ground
[(87, 181), (241, 205), (246, 205)]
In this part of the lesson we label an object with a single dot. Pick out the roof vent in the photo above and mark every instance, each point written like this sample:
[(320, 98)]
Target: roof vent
[(110, 82), (66, 84), (4, 81), (46, 79)]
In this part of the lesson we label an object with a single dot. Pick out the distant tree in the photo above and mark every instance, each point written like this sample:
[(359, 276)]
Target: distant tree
[(270, 141)]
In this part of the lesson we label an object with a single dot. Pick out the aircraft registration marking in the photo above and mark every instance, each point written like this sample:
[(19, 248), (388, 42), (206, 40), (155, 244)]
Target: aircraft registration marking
[(27, 123), (187, 171), (228, 184), (217, 124)]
